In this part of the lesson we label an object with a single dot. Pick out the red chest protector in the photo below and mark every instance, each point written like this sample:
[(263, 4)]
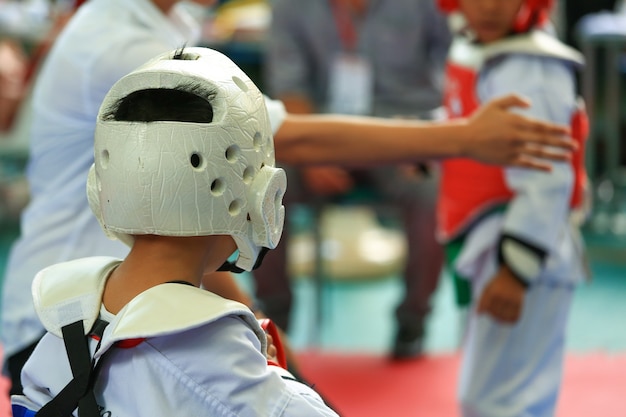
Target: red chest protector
[(469, 189)]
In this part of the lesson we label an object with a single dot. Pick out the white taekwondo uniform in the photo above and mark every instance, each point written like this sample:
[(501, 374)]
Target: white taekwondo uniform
[(515, 370), (177, 350)]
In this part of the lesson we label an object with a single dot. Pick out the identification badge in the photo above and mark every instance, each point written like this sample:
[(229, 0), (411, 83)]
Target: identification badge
[(350, 86)]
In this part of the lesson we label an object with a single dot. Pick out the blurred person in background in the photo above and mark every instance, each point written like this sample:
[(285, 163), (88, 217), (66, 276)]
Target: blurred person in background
[(513, 234), (370, 57)]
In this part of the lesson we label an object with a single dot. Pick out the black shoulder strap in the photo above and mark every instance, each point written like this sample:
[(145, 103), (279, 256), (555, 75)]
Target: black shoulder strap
[(79, 391)]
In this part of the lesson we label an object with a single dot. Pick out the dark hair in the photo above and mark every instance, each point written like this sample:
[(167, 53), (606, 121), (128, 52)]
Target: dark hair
[(162, 104)]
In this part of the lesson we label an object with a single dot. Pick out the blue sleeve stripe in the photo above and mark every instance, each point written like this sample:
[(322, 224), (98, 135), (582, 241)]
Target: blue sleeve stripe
[(21, 411)]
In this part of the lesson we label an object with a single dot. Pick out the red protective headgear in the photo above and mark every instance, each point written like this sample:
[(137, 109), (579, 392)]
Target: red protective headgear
[(532, 13)]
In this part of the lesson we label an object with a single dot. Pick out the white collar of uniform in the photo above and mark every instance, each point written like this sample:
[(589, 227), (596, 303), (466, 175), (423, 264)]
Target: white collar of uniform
[(150, 314), (72, 291), (536, 42), (466, 52)]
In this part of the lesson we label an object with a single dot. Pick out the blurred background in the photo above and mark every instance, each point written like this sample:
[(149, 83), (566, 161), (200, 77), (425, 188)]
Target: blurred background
[(347, 285), (365, 288)]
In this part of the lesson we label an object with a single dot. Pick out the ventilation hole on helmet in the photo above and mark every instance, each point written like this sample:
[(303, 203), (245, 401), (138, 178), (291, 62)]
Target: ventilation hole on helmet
[(257, 141), (217, 187), (241, 84), (182, 55), (234, 208), (196, 160), (248, 217), (248, 175), (233, 153), (104, 159)]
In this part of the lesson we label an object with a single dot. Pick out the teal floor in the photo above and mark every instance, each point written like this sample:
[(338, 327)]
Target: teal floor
[(357, 316), (8, 232)]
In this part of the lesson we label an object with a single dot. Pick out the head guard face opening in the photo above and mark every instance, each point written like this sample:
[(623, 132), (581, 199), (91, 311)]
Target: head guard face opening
[(176, 178), (532, 13)]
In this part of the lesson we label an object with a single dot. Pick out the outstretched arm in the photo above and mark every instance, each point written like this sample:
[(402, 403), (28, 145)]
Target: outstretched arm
[(492, 135)]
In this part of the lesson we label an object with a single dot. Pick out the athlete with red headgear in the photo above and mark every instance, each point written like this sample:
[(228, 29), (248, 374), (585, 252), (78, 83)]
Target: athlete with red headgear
[(510, 233)]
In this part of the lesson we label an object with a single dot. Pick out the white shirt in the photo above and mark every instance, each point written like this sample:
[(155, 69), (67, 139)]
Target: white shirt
[(202, 355), (104, 41)]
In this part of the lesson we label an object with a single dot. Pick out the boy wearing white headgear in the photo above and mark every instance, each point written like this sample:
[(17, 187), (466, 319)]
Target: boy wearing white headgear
[(184, 173)]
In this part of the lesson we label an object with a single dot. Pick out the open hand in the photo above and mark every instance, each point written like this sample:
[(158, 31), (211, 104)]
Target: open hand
[(499, 136)]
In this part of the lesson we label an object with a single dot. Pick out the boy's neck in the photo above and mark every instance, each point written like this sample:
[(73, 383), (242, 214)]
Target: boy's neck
[(155, 260), (509, 35)]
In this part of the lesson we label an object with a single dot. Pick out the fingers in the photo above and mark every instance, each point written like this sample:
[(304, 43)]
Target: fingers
[(272, 351), (543, 132), (532, 164), (501, 309), (505, 313), (546, 153), (550, 128), (511, 100), (538, 158), (540, 126), (559, 141), (533, 150)]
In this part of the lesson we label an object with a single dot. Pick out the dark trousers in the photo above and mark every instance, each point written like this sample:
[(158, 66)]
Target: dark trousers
[(414, 201)]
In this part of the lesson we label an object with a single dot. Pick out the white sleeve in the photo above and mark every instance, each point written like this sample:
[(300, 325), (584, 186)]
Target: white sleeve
[(104, 71), (277, 112), (246, 381), (539, 211)]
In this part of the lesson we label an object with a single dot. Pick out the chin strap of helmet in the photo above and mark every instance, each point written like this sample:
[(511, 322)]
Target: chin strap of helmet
[(231, 267)]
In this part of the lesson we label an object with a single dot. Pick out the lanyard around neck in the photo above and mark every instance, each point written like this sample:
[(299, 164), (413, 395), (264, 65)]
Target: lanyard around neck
[(345, 23)]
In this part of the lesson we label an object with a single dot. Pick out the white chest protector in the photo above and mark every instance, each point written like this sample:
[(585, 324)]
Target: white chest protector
[(465, 52), (72, 291)]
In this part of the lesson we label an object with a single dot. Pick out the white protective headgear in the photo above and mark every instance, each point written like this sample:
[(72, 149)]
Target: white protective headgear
[(190, 179)]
